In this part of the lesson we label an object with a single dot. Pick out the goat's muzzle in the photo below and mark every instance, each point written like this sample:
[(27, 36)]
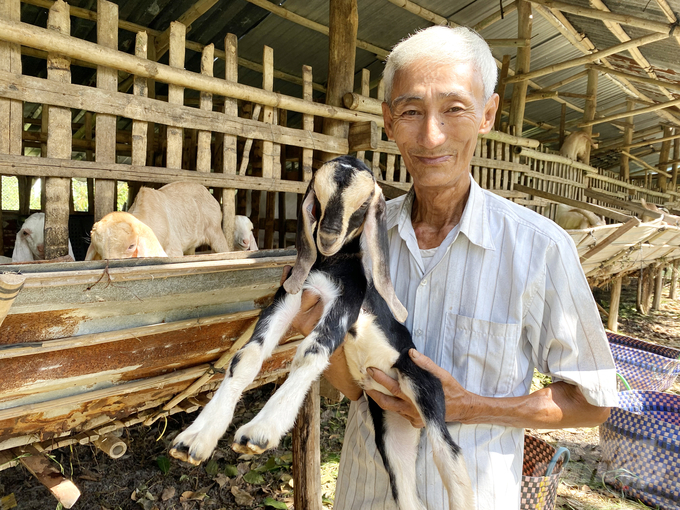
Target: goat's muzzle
[(329, 244)]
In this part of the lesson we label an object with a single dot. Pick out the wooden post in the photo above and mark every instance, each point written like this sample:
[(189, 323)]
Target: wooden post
[(203, 156), (590, 106), (105, 125), (615, 300), (674, 171), (664, 157), (365, 91), (519, 89), (307, 122), (11, 112), (343, 25), (176, 94), (307, 453), (270, 151), (229, 155), (375, 164), (674, 279), (140, 129), (658, 287), (505, 67), (624, 171), (563, 119), (151, 87), (57, 189)]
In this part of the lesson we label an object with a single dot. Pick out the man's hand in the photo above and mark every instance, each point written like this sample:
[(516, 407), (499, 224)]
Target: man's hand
[(311, 308), (457, 398)]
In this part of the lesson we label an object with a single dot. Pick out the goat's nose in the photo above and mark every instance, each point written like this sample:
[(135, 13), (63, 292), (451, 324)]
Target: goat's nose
[(326, 241)]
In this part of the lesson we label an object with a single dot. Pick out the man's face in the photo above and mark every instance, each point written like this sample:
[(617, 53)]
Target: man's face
[(435, 116)]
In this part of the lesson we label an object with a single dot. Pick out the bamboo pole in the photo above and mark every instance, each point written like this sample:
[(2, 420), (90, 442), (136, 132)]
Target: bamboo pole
[(344, 22), (522, 63), (658, 287), (641, 111), (614, 302), (257, 108), (563, 118), (589, 110), (674, 171), (40, 38), (229, 142), (624, 171), (57, 190), (47, 472), (626, 227), (664, 157), (203, 154), (664, 138), (500, 90), (674, 279), (271, 152), (140, 129), (175, 134), (586, 59), (11, 112), (307, 453), (646, 165), (365, 90), (496, 16), (111, 445), (105, 125), (375, 163), (307, 123), (194, 12), (624, 19), (362, 103)]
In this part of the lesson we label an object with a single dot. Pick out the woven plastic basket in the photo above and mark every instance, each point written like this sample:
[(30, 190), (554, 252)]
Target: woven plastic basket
[(641, 448), (541, 470), (644, 365)]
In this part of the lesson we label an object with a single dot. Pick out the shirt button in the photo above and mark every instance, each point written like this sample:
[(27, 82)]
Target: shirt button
[(419, 332), (423, 283)]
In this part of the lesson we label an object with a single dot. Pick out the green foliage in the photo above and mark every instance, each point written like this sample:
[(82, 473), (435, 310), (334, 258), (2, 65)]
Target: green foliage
[(253, 477), (211, 468), (231, 470), (271, 502), (163, 464)]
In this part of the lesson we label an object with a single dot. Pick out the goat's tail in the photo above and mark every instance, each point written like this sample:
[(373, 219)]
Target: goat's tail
[(426, 392)]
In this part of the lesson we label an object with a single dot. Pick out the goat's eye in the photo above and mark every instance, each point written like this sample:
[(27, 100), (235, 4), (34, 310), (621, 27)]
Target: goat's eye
[(131, 247)]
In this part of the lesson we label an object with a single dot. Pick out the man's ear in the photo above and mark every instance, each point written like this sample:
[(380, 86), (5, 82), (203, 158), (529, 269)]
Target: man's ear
[(489, 118), (387, 117)]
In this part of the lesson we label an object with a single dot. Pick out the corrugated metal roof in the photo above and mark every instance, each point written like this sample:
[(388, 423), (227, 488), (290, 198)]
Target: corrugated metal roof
[(383, 24)]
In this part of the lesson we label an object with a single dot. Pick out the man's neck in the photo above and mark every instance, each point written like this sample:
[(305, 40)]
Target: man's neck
[(437, 211)]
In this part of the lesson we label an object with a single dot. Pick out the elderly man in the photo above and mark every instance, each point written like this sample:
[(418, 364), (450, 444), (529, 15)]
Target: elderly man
[(492, 290)]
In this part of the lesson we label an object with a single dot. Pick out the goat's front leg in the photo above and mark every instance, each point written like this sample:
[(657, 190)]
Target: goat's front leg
[(311, 358), (197, 442)]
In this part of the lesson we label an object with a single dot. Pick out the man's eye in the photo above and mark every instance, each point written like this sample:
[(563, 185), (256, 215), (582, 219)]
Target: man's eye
[(455, 109), (410, 113)]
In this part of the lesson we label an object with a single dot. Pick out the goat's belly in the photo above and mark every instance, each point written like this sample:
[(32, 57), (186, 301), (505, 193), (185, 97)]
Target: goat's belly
[(369, 348)]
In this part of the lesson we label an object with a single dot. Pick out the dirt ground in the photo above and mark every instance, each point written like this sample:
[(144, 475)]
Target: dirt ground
[(145, 478)]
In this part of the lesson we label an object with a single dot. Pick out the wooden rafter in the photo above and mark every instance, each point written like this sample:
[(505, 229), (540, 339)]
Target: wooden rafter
[(187, 18), (648, 109), (634, 77)]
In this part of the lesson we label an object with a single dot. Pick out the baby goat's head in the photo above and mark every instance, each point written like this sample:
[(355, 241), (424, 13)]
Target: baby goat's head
[(342, 202)]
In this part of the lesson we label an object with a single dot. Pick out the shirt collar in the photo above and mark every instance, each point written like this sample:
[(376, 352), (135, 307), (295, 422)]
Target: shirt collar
[(474, 223)]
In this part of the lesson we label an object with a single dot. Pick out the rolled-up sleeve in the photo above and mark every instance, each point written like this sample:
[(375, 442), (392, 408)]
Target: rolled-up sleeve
[(570, 343)]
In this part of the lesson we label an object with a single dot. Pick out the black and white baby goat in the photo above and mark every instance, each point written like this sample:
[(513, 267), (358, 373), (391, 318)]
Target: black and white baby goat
[(342, 256)]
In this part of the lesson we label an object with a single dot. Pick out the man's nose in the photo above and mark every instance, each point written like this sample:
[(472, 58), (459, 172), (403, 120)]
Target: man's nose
[(432, 133)]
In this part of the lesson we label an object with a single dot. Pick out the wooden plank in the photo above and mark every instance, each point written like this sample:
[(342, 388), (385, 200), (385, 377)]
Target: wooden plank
[(139, 127), (363, 136), (203, 154), (48, 167), (47, 472), (229, 142), (105, 124), (27, 88), (365, 92), (10, 286), (629, 225), (522, 62), (36, 37), (270, 151), (57, 190), (307, 123), (176, 94), (602, 211), (631, 206)]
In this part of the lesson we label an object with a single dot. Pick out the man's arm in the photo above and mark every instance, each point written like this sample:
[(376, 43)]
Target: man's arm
[(558, 405)]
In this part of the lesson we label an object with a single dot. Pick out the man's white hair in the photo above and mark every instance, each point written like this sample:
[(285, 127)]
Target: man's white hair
[(441, 45)]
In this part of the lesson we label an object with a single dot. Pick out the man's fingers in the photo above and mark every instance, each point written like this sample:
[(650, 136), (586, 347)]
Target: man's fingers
[(391, 385), (427, 364)]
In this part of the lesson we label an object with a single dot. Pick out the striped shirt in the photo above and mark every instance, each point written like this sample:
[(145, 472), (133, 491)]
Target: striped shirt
[(504, 293)]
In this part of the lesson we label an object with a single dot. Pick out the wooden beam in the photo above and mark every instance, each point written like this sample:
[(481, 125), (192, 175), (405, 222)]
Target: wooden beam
[(500, 90), (614, 302), (589, 110), (344, 23), (566, 81), (624, 170), (187, 18), (306, 437), (674, 171), (602, 211), (658, 106), (26, 34), (522, 63), (47, 472), (624, 19), (645, 164), (629, 76), (627, 226), (496, 16), (652, 142), (586, 59), (664, 157), (631, 206)]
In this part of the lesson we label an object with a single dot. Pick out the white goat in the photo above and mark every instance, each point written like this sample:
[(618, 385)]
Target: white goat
[(669, 219), (244, 240), (576, 144), (570, 218), (30, 241), (182, 215), (119, 235)]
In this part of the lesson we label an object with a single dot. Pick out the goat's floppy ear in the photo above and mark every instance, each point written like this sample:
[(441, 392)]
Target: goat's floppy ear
[(304, 242), (149, 247), (92, 253), (375, 242)]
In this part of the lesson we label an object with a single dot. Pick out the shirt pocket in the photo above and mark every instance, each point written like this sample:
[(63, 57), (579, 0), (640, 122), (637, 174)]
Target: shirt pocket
[(484, 356)]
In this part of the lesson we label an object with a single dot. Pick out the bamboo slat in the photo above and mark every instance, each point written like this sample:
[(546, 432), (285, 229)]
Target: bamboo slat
[(175, 134), (203, 154), (307, 123), (229, 142)]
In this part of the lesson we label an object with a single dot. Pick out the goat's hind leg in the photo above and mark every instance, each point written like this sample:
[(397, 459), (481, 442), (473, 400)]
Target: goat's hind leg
[(426, 392), (197, 442)]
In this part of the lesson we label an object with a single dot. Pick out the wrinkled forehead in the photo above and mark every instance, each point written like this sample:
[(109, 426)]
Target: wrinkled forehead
[(340, 180)]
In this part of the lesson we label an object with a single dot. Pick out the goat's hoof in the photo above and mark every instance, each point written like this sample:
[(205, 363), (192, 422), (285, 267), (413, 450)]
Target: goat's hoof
[(181, 452), (245, 445)]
